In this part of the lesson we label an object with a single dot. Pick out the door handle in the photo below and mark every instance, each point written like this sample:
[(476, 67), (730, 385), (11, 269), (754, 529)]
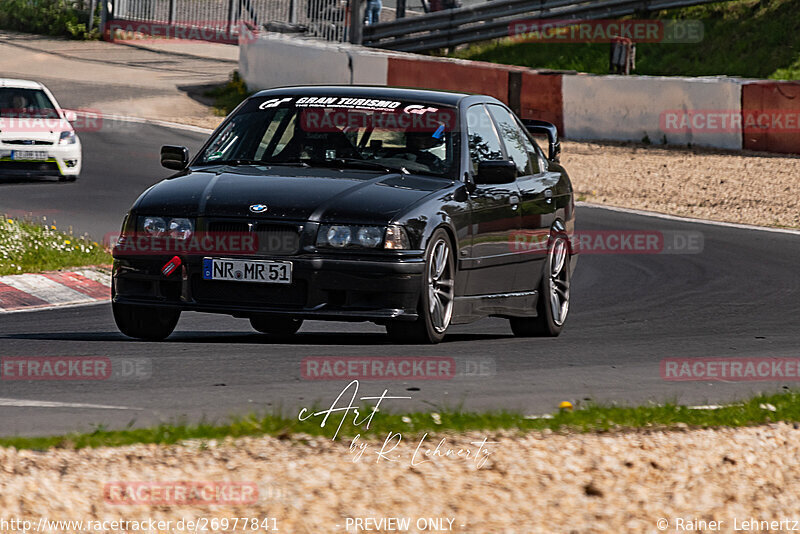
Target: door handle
[(514, 201), (548, 195)]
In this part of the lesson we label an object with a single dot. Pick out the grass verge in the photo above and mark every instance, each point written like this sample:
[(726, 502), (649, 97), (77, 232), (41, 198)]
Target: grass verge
[(591, 418), (749, 38), (26, 247), (228, 96)]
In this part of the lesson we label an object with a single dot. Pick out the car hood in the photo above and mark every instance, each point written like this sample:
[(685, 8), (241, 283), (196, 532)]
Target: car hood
[(301, 194), (33, 129)]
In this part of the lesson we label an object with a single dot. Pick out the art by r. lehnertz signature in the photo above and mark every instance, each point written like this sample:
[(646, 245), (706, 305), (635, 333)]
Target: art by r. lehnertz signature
[(479, 454)]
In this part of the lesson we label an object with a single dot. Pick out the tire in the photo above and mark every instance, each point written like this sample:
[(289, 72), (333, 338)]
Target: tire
[(276, 326), (552, 306), (436, 299), (145, 322)]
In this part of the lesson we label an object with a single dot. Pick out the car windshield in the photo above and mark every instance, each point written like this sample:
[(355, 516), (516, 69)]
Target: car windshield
[(336, 131), (22, 103)]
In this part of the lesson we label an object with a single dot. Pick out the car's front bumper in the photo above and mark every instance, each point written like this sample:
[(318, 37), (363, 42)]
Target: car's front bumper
[(366, 289), (62, 160)]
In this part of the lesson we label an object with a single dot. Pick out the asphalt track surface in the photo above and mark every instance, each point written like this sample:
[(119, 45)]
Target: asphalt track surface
[(740, 297)]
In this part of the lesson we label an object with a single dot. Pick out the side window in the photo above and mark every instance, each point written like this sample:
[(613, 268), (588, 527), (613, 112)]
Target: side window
[(484, 144), (517, 143), (221, 146), (535, 154)]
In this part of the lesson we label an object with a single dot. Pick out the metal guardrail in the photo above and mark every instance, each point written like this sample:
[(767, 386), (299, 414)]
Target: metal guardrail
[(491, 20)]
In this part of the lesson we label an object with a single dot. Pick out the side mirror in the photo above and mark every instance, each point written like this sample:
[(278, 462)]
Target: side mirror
[(549, 129), (70, 115), (174, 157), (496, 172)]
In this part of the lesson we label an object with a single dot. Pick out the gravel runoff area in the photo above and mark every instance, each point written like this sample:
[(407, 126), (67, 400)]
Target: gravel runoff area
[(740, 187), (538, 482)]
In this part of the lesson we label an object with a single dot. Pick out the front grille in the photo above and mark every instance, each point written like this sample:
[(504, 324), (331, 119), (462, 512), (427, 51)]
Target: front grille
[(33, 167), (232, 227), (249, 293), (273, 239), (26, 142), (278, 239)]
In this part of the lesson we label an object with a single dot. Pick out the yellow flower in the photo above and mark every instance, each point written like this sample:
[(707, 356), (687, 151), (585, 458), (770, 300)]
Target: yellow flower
[(10, 221), (53, 227), (67, 242)]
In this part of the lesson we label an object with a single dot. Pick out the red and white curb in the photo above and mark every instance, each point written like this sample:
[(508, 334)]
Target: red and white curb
[(78, 287)]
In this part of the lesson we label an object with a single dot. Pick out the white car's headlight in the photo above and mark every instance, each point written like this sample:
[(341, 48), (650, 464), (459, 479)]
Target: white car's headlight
[(67, 138)]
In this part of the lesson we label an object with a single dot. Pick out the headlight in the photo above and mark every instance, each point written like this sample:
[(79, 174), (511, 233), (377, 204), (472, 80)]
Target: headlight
[(369, 236), (339, 236), (154, 226), (180, 229), (177, 228), (343, 236), (67, 138), (351, 236)]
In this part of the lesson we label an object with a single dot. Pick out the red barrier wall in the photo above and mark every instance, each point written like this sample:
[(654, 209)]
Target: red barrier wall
[(772, 99), (541, 98), (475, 77)]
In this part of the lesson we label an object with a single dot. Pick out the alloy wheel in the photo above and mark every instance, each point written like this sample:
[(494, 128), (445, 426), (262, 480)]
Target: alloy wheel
[(559, 281), (440, 286)]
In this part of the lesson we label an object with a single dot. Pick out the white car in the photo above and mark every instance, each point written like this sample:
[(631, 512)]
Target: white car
[(36, 137)]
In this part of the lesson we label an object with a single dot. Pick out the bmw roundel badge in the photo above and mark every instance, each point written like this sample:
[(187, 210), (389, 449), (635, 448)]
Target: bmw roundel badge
[(258, 208)]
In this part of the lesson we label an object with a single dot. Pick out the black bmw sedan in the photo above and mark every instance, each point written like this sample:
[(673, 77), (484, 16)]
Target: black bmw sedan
[(411, 209)]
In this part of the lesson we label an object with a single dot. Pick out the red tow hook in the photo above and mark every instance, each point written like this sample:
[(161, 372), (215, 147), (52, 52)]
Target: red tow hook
[(171, 266)]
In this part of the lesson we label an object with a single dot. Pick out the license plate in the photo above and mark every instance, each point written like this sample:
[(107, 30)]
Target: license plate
[(28, 154), (264, 271)]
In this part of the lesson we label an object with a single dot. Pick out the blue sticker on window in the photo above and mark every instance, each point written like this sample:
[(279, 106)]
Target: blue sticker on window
[(439, 131)]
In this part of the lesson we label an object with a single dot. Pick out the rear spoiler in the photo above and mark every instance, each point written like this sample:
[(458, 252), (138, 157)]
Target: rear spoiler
[(549, 129)]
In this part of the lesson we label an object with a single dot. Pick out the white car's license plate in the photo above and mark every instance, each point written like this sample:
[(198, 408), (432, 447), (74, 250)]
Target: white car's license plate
[(29, 154), (264, 271)]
